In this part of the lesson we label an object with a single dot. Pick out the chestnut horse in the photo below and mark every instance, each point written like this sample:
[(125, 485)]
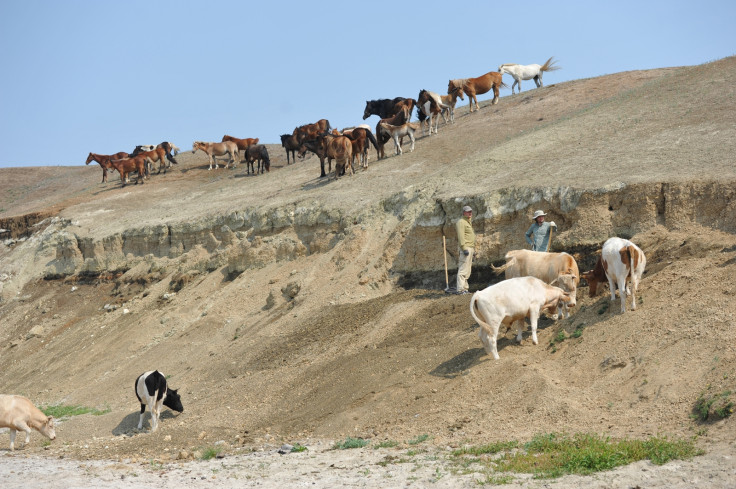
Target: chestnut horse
[(310, 131), (104, 162), (125, 166), (429, 104), (243, 144), (213, 150), (478, 86), (450, 100), (527, 72), (339, 148), (360, 136)]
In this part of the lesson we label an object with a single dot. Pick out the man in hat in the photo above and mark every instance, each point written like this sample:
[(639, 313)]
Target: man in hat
[(466, 242), (541, 231)]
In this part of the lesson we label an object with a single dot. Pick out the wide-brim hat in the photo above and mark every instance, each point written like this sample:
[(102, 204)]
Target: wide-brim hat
[(538, 214)]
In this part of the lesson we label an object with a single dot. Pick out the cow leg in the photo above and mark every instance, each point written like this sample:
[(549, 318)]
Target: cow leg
[(622, 293), (12, 439), (533, 317), (634, 288)]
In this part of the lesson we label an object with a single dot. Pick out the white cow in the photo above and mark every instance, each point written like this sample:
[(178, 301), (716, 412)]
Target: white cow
[(623, 259), (19, 414), (558, 269), (512, 300)]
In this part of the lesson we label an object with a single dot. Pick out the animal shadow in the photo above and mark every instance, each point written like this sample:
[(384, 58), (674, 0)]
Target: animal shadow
[(129, 424), (459, 364)]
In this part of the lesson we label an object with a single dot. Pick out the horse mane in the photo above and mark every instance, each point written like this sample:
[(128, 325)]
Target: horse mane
[(459, 82), (508, 64)]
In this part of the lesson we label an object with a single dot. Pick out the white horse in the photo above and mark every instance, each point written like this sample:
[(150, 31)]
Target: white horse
[(527, 72), (397, 132)]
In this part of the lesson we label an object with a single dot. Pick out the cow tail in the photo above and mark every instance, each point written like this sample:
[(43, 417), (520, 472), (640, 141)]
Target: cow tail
[(481, 323), (504, 267)]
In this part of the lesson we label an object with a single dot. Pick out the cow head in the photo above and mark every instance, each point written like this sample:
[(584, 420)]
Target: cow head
[(48, 428), (173, 401), (590, 277), (567, 282)]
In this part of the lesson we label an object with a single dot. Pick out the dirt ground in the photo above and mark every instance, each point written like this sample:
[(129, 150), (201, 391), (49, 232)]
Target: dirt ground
[(313, 347)]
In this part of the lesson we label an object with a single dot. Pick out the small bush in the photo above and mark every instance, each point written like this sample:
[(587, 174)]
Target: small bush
[(63, 411), (209, 453), (387, 444), (350, 442), (713, 407), (298, 448)]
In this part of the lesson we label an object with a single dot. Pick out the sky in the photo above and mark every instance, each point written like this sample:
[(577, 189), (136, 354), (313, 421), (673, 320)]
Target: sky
[(103, 76)]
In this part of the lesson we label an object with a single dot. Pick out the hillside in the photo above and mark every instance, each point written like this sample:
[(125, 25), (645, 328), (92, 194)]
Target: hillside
[(286, 307)]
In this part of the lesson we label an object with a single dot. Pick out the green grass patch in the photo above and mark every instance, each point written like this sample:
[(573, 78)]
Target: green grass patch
[(209, 453), (386, 444), (62, 411), (419, 439), (713, 407), (350, 442), (298, 448), (555, 454)]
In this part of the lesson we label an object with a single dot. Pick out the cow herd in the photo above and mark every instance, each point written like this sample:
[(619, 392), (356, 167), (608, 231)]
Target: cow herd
[(537, 281)]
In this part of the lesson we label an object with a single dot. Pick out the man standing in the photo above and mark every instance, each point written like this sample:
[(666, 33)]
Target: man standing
[(466, 242), (541, 231)]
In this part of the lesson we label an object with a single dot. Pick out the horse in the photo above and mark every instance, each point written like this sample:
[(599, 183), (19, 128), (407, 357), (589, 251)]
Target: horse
[(527, 72), (104, 162), (339, 148), (166, 146), (309, 131), (158, 153), (382, 137), (318, 147), (289, 142), (396, 132), (429, 104), (260, 153), (124, 166), (478, 86), (450, 100), (213, 150), (385, 108), (359, 137), (243, 144)]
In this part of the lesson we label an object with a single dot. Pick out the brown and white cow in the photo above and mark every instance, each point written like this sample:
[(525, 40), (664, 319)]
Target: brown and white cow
[(19, 414), (620, 261), (511, 301), (558, 269)]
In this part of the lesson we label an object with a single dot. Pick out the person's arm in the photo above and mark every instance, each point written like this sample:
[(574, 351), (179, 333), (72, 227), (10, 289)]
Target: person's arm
[(528, 235), (460, 233)]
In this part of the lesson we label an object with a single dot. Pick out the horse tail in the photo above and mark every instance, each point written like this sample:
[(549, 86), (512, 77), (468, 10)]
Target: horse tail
[(550, 65), (372, 138), (171, 158), (503, 85)]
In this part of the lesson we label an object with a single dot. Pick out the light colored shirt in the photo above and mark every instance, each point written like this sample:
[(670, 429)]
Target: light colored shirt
[(541, 235), (465, 233)]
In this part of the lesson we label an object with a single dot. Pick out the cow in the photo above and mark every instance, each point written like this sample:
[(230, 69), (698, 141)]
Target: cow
[(620, 261), (19, 414), (152, 387), (510, 301), (558, 269)]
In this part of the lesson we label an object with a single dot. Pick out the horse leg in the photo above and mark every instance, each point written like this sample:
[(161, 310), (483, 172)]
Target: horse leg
[(495, 93), (397, 146), (411, 136), (104, 175), (538, 80)]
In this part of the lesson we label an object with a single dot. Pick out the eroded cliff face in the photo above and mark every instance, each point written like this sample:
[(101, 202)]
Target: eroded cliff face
[(409, 226)]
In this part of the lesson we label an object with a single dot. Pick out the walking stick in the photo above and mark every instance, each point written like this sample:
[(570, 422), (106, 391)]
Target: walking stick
[(444, 253), (549, 243)]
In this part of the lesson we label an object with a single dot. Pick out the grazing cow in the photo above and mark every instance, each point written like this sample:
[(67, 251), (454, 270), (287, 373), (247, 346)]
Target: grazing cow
[(19, 414), (257, 152), (620, 260), (510, 301), (558, 269), (151, 386)]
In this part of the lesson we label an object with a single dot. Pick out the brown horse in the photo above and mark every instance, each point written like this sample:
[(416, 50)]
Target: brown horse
[(361, 136), (382, 137), (290, 143), (125, 166), (478, 86), (310, 131), (450, 100), (156, 154), (339, 148), (104, 162), (243, 144), (257, 152), (213, 150), (318, 146)]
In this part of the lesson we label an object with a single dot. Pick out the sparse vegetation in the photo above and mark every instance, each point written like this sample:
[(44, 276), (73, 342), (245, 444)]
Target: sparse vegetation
[(419, 439), (713, 407), (64, 411), (298, 448), (209, 453), (555, 454), (350, 442), (386, 444)]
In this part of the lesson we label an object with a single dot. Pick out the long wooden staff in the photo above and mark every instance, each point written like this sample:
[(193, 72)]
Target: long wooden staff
[(549, 243), (444, 253)]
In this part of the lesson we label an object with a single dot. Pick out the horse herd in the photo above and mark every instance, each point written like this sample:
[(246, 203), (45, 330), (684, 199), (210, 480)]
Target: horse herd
[(330, 144)]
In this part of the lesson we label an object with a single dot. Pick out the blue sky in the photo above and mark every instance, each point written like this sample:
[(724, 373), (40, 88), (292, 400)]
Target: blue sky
[(104, 76)]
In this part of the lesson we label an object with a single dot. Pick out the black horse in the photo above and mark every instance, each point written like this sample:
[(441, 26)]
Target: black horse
[(385, 108), (289, 142)]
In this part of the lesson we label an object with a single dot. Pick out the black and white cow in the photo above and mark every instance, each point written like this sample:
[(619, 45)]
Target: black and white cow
[(151, 387)]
